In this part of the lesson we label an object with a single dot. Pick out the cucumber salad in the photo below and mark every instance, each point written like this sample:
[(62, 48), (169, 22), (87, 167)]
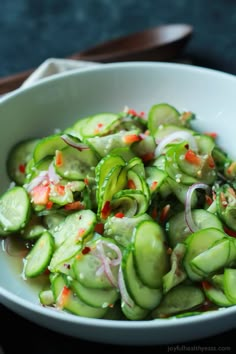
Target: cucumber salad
[(129, 216)]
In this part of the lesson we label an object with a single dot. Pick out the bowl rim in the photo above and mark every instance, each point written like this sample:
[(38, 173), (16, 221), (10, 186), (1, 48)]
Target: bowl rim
[(116, 66), (174, 322)]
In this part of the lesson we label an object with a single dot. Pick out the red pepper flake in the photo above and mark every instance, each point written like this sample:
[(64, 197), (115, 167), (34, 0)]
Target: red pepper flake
[(86, 250), (153, 185), (211, 134), (99, 228), (164, 213), (231, 168), (60, 189), (131, 138), (77, 205), (208, 200), (206, 285), (49, 204), (132, 112), (147, 157), (119, 215), (81, 232), (106, 210), (98, 128), (58, 158), (86, 181), (211, 162), (63, 297), (229, 231), (154, 213), (22, 168), (47, 271), (192, 158), (131, 184)]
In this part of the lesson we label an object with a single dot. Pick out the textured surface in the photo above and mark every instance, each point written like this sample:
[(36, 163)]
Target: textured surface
[(32, 31)]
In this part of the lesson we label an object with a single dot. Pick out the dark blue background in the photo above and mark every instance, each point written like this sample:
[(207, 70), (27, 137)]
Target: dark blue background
[(32, 31)]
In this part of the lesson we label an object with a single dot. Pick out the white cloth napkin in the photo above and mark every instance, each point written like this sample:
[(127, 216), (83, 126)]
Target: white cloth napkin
[(54, 66)]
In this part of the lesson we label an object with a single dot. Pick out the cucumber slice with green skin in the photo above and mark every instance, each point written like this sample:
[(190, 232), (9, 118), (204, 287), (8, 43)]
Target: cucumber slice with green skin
[(46, 297), (104, 167), (217, 281), (142, 295), (124, 152), (95, 297), (230, 284), (178, 230), (213, 259), (47, 147), (216, 295), (17, 159), (167, 129), (15, 209), (180, 191), (105, 144), (83, 220), (134, 313), (113, 183), (35, 168), (100, 124), (150, 253), (226, 205), (33, 229), (76, 165), (179, 299), (39, 257), (67, 300), (176, 274), (197, 243), (77, 228), (154, 178), (54, 220), (130, 202), (121, 229), (162, 114), (138, 182), (136, 164), (144, 147), (75, 129), (89, 268), (172, 168)]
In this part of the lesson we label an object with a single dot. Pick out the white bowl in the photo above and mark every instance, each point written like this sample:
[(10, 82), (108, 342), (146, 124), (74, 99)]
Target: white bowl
[(59, 101)]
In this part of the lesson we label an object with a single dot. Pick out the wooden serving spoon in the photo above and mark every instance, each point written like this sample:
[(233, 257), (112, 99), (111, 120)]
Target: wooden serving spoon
[(162, 43)]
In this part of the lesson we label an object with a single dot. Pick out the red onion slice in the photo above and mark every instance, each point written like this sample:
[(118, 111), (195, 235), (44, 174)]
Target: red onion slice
[(53, 176), (178, 135), (123, 291), (188, 212), (79, 146)]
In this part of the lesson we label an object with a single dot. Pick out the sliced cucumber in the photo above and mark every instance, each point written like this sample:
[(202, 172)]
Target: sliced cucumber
[(38, 259), (213, 259), (143, 296), (199, 242), (217, 296), (95, 297), (179, 299), (150, 253), (99, 125), (17, 159), (162, 114), (15, 209), (178, 229), (67, 300), (230, 284), (134, 313), (47, 147)]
